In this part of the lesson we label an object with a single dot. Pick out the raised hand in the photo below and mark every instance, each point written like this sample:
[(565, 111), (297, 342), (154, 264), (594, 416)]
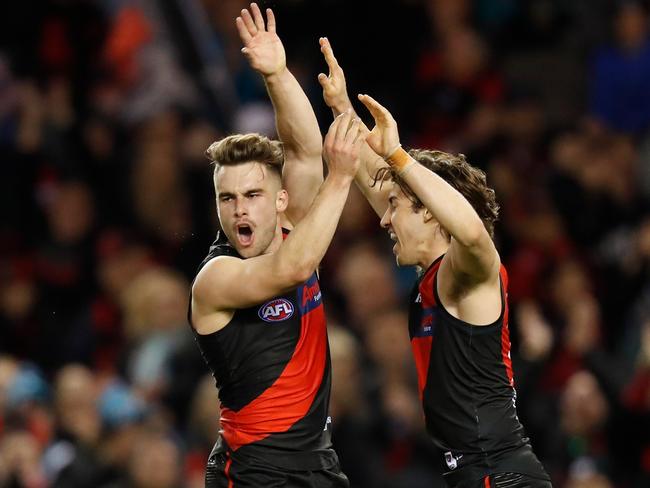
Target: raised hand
[(342, 145), (334, 89), (262, 46), (384, 137)]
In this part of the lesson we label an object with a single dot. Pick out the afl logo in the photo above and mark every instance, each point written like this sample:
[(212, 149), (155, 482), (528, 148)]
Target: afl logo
[(276, 310)]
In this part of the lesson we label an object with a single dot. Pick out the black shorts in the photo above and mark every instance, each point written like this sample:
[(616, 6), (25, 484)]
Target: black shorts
[(225, 470), (505, 480)]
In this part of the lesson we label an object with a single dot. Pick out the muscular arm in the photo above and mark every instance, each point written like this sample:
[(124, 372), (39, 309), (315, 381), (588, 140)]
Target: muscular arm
[(336, 97), (299, 131), (228, 283), (472, 255), (295, 119)]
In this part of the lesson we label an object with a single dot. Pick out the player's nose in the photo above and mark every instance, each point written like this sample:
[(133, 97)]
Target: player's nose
[(385, 219), (240, 207)]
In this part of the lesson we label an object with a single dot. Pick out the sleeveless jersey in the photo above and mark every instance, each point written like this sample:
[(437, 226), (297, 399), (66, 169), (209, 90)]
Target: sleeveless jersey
[(466, 387), (271, 364)]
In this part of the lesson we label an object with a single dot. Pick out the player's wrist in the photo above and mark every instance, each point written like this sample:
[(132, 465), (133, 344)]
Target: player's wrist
[(339, 180), (399, 160), (276, 75), (341, 106)]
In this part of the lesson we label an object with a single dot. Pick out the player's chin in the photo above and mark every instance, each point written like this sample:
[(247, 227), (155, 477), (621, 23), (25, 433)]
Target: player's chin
[(402, 259), (246, 252)]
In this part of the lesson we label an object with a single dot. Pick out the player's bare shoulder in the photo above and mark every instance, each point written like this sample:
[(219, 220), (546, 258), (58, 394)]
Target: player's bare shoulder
[(208, 315), (472, 300), (212, 277)]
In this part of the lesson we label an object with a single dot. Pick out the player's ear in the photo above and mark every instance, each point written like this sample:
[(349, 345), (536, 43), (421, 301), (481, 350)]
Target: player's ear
[(281, 200), (427, 216)]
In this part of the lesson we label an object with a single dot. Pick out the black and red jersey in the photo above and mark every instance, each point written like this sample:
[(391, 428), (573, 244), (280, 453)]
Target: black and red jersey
[(271, 364), (466, 387)]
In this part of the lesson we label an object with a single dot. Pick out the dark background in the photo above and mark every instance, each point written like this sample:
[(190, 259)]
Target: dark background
[(107, 207)]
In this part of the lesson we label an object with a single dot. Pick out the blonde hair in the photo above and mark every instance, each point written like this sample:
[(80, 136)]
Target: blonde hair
[(246, 148)]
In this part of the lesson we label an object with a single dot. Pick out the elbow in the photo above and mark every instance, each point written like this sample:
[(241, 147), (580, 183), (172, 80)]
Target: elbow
[(302, 273), (295, 273)]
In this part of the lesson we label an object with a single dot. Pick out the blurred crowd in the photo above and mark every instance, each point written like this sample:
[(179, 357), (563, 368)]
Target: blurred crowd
[(106, 109)]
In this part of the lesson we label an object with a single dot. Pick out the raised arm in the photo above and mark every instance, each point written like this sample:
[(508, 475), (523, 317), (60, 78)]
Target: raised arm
[(336, 97), (228, 283), (294, 116), (472, 255)]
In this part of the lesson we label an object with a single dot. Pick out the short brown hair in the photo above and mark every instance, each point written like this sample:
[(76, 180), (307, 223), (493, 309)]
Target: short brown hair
[(246, 148), (455, 170)]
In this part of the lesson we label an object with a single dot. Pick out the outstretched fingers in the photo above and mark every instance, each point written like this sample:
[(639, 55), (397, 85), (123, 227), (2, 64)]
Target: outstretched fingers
[(353, 131), (251, 22), (248, 22), (244, 33), (343, 125), (325, 48), (257, 17), (328, 53), (378, 111), (270, 20), (331, 133)]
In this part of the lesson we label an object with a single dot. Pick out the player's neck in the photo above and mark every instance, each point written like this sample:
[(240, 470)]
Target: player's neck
[(278, 237), (433, 252)]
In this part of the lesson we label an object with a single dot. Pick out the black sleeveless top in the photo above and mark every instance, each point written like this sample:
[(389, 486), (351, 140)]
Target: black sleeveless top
[(466, 387), (271, 364)]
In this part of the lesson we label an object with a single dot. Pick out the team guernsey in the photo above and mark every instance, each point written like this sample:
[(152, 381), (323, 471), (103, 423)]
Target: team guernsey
[(271, 364), (466, 388)]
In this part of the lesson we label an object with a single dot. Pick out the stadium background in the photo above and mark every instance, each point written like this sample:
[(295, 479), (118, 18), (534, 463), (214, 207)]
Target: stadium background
[(107, 207)]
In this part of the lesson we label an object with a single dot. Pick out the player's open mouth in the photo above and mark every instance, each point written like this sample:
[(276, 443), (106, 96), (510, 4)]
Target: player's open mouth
[(244, 234), (393, 237)]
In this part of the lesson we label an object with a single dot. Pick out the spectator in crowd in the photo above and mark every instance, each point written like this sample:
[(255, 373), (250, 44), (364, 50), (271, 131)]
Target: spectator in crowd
[(105, 111), (621, 72)]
